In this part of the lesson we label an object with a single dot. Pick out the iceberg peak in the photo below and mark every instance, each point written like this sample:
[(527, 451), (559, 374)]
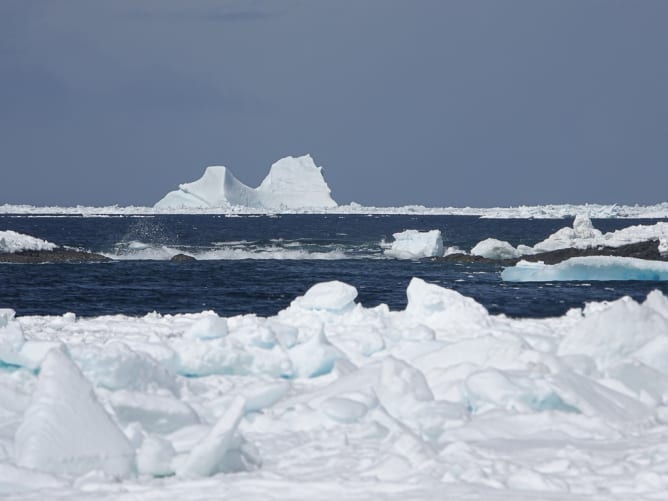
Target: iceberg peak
[(292, 183)]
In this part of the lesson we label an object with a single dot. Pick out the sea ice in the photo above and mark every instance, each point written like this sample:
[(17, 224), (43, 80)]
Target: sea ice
[(414, 244), (330, 397), (588, 268)]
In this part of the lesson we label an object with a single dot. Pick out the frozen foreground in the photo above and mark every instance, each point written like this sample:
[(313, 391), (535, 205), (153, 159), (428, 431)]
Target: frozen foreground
[(331, 400)]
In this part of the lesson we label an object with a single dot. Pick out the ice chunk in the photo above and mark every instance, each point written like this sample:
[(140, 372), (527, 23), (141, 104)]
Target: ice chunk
[(413, 244), (66, 430), (115, 366), (207, 455), (209, 327), (315, 357), (292, 183), (444, 310), (491, 248), (344, 410), (619, 331), (156, 413), (334, 296), (11, 241), (14, 480), (588, 268), (154, 457), (11, 339)]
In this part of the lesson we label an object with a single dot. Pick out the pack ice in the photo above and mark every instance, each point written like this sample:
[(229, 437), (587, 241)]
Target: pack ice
[(292, 183), (329, 399)]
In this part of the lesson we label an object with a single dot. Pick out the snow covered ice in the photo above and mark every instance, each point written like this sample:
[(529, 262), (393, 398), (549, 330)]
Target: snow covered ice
[(292, 183), (330, 399)]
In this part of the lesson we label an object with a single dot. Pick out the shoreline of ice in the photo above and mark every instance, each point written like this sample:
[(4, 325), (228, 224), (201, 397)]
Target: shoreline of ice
[(550, 211)]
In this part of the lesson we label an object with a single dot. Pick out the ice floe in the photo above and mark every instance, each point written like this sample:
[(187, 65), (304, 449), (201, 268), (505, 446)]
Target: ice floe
[(330, 397), (588, 268)]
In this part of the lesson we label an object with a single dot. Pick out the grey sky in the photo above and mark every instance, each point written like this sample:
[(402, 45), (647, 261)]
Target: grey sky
[(434, 102)]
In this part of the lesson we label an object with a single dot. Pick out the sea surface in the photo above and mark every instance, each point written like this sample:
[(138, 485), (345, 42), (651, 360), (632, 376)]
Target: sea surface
[(259, 264)]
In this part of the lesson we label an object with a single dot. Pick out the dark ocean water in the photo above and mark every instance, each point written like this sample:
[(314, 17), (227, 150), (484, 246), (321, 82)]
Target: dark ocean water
[(258, 264)]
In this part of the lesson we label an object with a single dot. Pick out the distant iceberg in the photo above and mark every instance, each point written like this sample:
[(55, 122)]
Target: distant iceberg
[(588, 268), (292, 183)]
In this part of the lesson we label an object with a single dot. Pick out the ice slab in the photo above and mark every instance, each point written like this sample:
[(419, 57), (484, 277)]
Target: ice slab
[(588, 268), (66, 430), (414, 244)]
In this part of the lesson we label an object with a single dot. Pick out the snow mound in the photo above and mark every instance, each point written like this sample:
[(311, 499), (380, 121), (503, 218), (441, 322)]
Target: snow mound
[(414, 244), (588, 268), (66, 430), (292, 183), (11, 242)]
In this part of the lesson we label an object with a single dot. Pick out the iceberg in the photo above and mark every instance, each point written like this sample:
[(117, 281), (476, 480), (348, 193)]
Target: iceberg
[(414, 244), (588, 268), (292, 183)]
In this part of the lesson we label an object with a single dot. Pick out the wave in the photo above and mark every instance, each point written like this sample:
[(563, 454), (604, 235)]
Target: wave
[(240, 250)]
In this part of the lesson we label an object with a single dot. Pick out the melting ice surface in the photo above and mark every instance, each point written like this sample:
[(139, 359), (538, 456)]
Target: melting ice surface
[(588, 268), (329, 399)]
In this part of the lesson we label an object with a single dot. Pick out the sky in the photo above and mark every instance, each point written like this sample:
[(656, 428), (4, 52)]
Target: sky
[(433, 102)]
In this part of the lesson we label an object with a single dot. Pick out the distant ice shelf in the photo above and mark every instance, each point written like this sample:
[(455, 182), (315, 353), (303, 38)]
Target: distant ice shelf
[(658, 211)]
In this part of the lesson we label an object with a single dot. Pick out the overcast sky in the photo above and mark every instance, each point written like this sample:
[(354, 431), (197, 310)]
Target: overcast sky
[(437, 102)]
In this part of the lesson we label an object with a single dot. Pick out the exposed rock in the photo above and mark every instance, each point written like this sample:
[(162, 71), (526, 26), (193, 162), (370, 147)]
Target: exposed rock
[(58, 255), (181, 258)]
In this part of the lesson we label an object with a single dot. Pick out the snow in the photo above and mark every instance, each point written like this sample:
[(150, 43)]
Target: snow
[(331, 399), (414, 244), (11, 242), (292, 183), (588, 268)]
